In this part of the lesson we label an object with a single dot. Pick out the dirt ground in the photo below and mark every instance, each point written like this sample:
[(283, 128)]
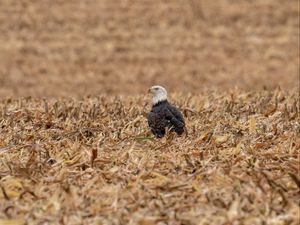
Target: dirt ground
[(70, 48)]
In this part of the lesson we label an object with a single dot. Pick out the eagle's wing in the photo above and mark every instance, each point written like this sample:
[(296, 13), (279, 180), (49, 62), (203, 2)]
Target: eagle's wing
[(156, 123), (175, 117)]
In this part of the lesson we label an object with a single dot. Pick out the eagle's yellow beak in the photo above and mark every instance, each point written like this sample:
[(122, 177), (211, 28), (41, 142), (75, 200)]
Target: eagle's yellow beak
[(149, 90)]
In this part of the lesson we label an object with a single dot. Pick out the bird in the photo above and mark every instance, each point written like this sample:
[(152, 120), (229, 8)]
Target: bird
[(163, 115)]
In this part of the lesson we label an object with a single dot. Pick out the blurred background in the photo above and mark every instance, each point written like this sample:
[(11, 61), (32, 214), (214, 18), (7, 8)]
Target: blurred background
[(73, 48)]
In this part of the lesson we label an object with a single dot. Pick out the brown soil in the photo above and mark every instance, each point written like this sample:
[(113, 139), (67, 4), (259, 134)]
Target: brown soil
[(67, 48)]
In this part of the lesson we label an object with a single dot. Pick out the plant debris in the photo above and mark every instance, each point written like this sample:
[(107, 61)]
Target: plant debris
[(94, 161)]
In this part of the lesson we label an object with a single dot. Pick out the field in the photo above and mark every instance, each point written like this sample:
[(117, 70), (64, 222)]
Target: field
[(62, 48), (93, 161), (75, 147)]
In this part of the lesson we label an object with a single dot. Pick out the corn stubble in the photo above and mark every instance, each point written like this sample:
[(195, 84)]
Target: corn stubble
[(94, 161)]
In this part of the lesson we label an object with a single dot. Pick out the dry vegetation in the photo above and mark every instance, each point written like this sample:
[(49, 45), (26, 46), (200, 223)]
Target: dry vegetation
[(93, 161), (62, 48), (68, 159)]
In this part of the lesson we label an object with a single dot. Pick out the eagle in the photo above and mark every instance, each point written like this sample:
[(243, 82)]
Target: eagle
[(163, 115)]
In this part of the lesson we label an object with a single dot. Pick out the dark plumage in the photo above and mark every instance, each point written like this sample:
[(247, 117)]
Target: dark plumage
[(163, 115)]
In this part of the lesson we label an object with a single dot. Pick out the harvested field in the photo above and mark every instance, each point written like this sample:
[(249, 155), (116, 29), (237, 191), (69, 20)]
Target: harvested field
[(93, 161), (75, 147), (62, 48)]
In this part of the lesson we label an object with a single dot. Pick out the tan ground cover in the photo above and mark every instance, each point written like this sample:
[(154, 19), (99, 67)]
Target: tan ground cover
[(68, 159), (93, 161), (63, 48)]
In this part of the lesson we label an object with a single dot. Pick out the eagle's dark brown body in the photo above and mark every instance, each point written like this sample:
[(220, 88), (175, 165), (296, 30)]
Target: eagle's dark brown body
[(165, 116)]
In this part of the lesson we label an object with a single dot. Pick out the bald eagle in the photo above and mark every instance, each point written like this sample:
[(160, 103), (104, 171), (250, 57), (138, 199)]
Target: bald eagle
[(163, 115)]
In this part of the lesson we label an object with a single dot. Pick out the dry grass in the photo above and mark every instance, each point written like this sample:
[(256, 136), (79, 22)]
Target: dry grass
[(93, 161)]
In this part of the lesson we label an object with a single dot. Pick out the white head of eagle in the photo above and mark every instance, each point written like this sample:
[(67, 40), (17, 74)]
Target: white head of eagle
[(163, 115), (159, 94)]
